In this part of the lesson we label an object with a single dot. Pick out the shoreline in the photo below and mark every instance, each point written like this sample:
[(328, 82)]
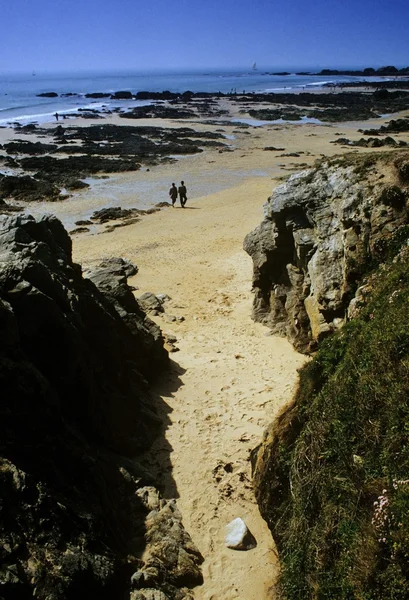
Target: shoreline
[(272, 150), (69, 102)]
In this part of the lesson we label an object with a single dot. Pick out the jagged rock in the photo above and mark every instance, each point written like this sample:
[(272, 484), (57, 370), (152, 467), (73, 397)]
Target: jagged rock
[(75, 404), (111, 279), (120, 266), (148, 594), (238, 536), (310, 250), (150, 302), (170, 548), (163, 298)]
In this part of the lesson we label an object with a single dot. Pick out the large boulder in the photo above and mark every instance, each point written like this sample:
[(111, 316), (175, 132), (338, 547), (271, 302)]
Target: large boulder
[(320, 230)]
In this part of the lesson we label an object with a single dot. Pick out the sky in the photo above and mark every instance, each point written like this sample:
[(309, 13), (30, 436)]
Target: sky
[(66, 35)]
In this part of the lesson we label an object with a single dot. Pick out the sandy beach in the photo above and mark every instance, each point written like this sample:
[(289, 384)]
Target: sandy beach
[(227, 380), (229, 377)]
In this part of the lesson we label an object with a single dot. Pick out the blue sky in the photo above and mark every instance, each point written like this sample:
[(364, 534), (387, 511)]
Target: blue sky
[(59, 35)]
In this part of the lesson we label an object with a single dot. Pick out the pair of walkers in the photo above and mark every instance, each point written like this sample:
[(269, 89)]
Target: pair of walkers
[(181, 190)]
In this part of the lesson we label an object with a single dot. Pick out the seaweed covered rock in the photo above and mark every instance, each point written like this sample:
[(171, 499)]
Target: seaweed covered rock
[(75, 411), (321, 230), (27, 188)]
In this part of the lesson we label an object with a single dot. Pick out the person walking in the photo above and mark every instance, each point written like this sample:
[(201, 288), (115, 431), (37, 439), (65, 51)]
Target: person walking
[(173, 193), (182, 194)]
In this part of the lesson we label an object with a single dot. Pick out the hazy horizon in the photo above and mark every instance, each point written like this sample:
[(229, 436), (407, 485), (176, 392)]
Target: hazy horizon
[(198, 70)]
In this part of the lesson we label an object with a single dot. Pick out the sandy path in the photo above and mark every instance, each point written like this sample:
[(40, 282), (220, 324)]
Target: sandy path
[(227, 380)]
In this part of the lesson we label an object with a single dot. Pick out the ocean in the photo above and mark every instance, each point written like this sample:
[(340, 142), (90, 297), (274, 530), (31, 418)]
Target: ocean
[(19, 101)]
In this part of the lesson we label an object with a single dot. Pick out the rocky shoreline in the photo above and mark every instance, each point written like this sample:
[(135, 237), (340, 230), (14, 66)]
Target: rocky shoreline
[(51, 170)]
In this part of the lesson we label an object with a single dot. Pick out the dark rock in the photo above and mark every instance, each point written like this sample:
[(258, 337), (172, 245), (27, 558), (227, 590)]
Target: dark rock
[(26, 188), (113, 213), (74, 360), (6, 208), (158, 112), (47, 95), (29, 128), (65, 391), (122, 96), (76, 184), (402, 167), (394, 126), (390, 70), (97, 95), (63, 169), (26, 147), (79, 230), (120, 267), (124, 223)]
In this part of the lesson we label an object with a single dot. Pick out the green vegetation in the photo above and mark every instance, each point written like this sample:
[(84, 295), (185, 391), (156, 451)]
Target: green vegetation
[(334, 480)]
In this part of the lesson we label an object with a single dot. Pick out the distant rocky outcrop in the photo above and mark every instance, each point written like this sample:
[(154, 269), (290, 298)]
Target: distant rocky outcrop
[(48, 95), (321, 230), (77, 509)]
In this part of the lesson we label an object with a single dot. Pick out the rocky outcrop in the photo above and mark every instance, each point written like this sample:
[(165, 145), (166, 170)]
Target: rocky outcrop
[(47, 95), (27, 188), (320, 231), (76, 411)]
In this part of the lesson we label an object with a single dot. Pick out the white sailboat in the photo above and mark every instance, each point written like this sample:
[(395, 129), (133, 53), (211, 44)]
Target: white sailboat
[(254, 67)]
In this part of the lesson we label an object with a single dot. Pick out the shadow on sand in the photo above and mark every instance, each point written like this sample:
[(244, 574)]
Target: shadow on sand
[(158, 459), (190, 207)]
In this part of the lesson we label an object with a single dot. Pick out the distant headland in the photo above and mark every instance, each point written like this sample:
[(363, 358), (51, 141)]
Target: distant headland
[(367, 72)]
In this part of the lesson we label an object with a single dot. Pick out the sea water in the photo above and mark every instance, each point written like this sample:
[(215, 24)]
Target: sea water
[(19, 100)]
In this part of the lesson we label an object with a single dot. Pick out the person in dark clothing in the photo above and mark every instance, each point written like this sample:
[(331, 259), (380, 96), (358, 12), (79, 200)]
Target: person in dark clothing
[(173, 193), (182, 194)]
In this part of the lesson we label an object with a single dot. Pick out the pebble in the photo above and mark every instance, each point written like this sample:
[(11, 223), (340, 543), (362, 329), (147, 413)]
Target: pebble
[(238, 536)]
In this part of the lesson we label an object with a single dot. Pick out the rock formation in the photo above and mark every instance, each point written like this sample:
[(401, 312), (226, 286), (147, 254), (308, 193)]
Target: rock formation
[(321, 230), (76, 409)]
